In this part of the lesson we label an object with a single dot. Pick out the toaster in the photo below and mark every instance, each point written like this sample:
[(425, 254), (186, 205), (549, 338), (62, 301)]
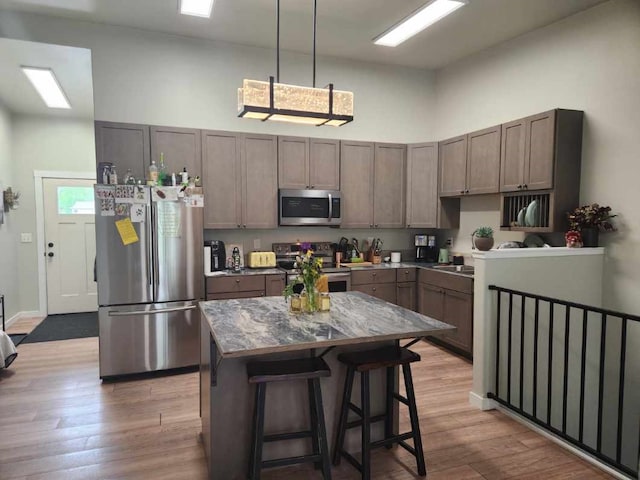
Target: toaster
[(261, 260)]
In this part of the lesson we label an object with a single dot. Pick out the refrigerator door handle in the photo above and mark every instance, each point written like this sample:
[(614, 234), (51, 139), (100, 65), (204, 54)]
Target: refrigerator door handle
[(151, 312), (149, 234), (154, 243)]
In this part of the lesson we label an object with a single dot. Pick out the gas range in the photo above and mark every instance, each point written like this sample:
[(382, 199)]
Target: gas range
[(286, 254)]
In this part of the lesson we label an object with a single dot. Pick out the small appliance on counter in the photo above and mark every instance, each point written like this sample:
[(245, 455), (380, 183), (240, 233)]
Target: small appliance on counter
[(261, 260), (215, 258), (426, 250), (443, 257)]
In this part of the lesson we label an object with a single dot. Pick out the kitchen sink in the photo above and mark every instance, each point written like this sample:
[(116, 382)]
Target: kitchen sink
[(466, 269)]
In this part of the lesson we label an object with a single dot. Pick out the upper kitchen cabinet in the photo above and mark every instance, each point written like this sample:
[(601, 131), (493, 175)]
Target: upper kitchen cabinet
[(372, 177), (308, 163), (453, 166), (470, 164), (293, 162), (240, 180), (124, 145), (536, 149), (259, 155), (540, 170), (221, 179), (324, 164), (424, 208), (388, 185), (356, 177), (181, 148)]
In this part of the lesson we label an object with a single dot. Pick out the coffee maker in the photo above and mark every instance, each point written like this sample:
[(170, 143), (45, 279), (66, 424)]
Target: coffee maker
[(426, 249), (215, 258)]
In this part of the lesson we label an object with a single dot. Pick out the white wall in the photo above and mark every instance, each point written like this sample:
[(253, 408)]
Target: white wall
[(590, 62), (43, 143), (152, 78), (8, 236)]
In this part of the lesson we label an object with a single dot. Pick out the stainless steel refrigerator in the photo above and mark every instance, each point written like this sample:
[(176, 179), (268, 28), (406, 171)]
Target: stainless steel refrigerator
[(149, 281)]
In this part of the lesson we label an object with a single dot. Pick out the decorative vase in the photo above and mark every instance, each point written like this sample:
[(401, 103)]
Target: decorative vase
[(590, 237), (483, 243), (309, 299)]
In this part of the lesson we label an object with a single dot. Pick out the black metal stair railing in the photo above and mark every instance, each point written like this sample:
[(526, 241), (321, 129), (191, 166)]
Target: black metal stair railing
[(573, 370)]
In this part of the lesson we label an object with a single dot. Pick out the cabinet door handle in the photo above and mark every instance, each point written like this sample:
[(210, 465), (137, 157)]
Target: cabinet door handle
[(239, 225), (313, 186), (237, 280), (525, 186), (462, 192), (376, 225), (519, 187), (244, 226), (371, 225), (374, 274), (374, 289), (466, 191)]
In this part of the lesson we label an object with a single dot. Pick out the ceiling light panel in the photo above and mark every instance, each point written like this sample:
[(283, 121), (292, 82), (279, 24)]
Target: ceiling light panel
[(196, 8), (418, 21), (46, 84)]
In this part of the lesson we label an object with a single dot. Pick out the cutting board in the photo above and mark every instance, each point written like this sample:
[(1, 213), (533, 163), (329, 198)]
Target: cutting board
[(359, 264)]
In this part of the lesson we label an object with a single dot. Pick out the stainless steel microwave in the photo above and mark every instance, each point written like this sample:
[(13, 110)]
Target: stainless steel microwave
[(310, 207)]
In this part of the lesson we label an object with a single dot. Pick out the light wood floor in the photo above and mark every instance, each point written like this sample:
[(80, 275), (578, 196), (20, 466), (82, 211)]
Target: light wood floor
[(58, 421)]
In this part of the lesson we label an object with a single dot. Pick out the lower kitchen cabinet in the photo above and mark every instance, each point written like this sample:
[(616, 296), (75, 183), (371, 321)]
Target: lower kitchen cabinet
[(406, 295), (235, 286), (383, 291), (449, 298), (274, 285)]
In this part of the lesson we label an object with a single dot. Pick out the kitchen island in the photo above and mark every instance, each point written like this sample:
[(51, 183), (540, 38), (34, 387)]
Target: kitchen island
[(234, 332)]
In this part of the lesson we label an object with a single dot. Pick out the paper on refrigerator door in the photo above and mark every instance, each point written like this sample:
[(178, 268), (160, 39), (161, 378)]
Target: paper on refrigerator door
[(138, 213), (127, 232), (164, 194), (169, 219)]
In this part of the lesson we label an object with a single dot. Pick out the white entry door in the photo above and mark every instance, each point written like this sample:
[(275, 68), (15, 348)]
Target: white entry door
[(70, 245)]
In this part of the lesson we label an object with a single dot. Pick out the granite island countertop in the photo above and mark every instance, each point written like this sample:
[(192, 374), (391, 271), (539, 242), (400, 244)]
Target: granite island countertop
[(254, 326)]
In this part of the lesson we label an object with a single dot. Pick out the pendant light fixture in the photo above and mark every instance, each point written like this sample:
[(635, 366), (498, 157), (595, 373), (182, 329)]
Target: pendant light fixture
[(282, 102)]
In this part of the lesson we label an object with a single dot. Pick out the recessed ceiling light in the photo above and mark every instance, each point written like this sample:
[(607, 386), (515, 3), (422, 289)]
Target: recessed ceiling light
[(197, 8), (418, 21), (46, 84)]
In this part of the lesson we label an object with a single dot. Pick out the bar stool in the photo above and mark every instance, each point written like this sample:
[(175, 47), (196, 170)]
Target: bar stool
[(311, 370), (364, 362)]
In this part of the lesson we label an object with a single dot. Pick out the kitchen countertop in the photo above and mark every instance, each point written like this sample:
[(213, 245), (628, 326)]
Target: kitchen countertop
[(264, 325), (427, 266), (246, 271)]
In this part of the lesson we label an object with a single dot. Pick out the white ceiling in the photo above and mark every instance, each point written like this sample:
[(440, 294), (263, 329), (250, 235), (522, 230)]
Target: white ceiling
[(345, 27), (72, 67)]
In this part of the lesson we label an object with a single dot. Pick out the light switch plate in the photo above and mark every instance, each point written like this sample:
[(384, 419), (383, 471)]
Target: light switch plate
[(256, 244), (26, 238)]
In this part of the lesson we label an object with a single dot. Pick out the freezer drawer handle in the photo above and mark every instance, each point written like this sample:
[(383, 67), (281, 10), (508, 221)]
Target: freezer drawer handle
[(151, 312)]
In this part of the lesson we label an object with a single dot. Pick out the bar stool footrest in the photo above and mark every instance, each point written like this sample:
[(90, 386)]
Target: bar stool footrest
[(392, 440), (401, 399), (358, 423), (407, 447), (349, 458), (276, 437), (282, 462)]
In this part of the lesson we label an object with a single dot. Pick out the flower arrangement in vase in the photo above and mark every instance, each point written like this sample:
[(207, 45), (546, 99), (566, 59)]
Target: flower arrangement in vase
[(589, 220), (309, 271)]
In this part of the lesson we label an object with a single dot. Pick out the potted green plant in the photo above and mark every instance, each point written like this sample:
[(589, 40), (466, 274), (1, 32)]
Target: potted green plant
[(590, 220), (482, 238)]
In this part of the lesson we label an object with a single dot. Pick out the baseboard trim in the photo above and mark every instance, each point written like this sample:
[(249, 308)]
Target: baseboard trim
[(26, 314), (567, 446), (480, 402)]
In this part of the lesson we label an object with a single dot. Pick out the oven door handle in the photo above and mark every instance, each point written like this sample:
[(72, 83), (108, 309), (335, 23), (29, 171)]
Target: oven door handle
[(338, 276), (330, 207)]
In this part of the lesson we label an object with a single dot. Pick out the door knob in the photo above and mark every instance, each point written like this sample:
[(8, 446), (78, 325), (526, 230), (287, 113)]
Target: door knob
[(50, 244), (50, 254)]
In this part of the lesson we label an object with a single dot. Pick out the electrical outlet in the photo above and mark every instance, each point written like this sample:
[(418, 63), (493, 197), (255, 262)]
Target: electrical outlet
[(26, 238), (256, 244), (449, 242)]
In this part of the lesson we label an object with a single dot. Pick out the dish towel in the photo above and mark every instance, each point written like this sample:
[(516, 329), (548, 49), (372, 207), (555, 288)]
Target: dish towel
[(8, 351)]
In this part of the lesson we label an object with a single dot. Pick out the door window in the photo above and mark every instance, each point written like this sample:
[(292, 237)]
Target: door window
[(75, 201)]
